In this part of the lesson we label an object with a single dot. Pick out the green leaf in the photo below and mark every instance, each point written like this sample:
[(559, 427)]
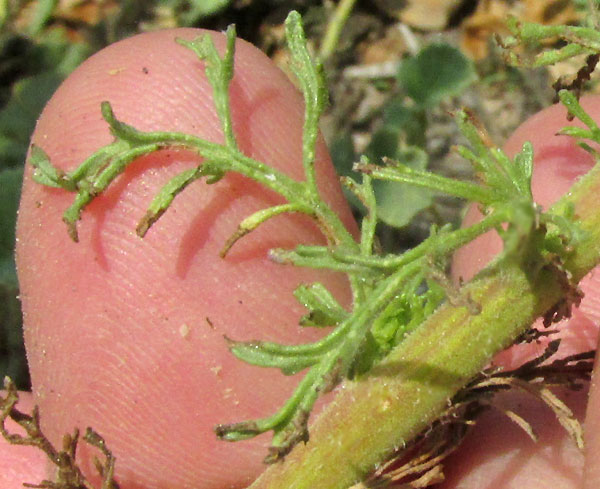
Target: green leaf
[(412, 121), (253, 353), (397, 203), (384, 143), (192, 12), (44, 172), (388, 296), (311, 78), (343, 157), (251, 222), (436, 72), (343, 154), (219, 72), (10, 185), (163, 199), (324, 310), (42, 12), (392, 322)]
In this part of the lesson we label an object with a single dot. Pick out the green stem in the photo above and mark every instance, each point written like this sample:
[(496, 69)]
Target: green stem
[(402, 174), (411, 387), (335, 27)]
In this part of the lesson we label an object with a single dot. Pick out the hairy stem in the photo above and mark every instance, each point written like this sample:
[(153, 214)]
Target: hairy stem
[(411, 387)]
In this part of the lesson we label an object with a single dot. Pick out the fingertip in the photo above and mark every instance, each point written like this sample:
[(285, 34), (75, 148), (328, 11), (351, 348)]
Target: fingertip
[(125, 334)]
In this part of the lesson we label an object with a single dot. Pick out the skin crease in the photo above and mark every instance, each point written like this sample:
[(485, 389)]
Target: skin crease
[(106, 319)]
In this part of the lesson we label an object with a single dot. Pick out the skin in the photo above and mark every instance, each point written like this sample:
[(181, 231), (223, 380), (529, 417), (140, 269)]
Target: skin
[(116, 329)]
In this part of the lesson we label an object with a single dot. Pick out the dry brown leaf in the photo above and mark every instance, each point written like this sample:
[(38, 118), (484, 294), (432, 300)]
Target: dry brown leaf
[(421, 14), (87, 11), (490, 18), (521, 423), (390, 47)]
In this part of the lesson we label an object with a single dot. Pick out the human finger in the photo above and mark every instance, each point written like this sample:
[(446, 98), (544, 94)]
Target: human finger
[(126, 335)]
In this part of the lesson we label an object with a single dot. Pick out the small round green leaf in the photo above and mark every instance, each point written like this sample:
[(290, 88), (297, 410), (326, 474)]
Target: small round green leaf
[(437, 71)]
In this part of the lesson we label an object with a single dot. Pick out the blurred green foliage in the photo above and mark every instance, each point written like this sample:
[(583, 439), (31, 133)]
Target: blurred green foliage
[(12, 355), (10, 183), (436, 73), (189, 12), (53, 58)]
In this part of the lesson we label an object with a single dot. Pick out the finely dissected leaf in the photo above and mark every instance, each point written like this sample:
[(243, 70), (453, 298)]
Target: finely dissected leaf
[(165, 196), (579, 40), (324, 310), (570, 102), (219, 72), (251, 222), (254, 353), (44, 172), (311, 77), (436, 72), (406, 312)]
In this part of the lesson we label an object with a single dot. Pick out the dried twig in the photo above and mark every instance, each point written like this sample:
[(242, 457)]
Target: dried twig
[(68, 474), (419, 465)]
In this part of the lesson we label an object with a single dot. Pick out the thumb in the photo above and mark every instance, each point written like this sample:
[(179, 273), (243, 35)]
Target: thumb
[(126, 335)]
